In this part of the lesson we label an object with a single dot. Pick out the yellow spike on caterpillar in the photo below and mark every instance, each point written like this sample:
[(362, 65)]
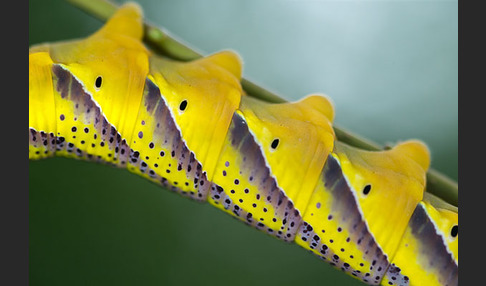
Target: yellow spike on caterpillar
[(276, 167)]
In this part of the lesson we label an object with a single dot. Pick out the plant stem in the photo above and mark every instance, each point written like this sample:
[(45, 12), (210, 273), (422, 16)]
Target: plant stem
[(162, 42)]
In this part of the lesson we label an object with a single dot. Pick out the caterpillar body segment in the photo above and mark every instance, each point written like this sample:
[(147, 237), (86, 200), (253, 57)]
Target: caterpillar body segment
[(94, 108), (42, 108), (264, 143), (202, 96), (276, 167), (347, 223), (446, 226), (388, 185), (295, 139), (428, 250)]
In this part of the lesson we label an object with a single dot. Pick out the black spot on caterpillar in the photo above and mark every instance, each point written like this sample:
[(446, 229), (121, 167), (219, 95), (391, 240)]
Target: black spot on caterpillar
[(454, 231), (275, 196), (183, 105), (275, 143), (98, 82)]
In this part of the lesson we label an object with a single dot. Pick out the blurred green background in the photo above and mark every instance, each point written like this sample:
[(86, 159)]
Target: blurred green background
[(391, 68)]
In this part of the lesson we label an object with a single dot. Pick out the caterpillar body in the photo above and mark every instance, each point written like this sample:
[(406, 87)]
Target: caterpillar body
[(277, 167)]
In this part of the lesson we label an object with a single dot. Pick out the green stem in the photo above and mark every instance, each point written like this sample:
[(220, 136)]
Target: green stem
[(163, 43)]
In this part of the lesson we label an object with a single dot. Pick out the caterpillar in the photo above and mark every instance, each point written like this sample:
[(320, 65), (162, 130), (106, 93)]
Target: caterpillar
[(276, 167)]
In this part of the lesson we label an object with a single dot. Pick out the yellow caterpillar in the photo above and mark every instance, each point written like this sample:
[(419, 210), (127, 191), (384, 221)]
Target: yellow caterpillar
[(276, 167)]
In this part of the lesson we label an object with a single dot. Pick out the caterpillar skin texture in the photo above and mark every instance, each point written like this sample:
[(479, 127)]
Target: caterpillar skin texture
[(277, 167)]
